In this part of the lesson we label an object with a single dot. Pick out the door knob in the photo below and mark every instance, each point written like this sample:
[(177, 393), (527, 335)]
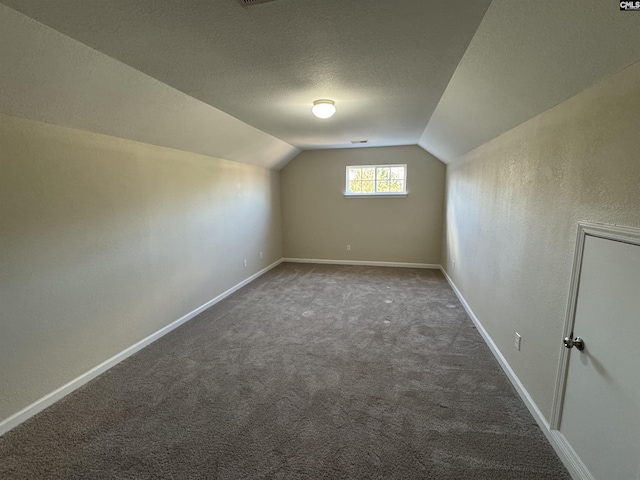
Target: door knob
[(576, 342)]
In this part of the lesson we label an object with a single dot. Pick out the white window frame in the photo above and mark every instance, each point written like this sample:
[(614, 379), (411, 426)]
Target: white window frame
[(350, 194)]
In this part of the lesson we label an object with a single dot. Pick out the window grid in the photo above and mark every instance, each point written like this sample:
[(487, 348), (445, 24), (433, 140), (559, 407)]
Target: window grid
[(376, 180)]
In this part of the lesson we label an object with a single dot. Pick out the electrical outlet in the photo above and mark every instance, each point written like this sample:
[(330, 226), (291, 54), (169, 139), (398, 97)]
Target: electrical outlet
[(260, 255), (517, 341), (348, 248), (245, 262)]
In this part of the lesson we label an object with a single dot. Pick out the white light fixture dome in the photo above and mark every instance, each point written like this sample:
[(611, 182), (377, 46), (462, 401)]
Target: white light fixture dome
[(323, 108)]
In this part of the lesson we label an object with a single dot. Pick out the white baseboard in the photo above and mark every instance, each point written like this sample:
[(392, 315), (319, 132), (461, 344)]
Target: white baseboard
[(576, 467), (567, 455), (49, 399), (361, 262)]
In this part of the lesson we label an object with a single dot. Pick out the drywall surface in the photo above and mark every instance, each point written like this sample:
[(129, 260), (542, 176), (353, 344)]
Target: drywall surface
[(49, 77), (319, 222), (525, 58), (513, 206), (104, 241), (385, 64)]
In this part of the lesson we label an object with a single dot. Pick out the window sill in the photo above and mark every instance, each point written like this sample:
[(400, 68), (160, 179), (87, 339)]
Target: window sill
[(379, 195)]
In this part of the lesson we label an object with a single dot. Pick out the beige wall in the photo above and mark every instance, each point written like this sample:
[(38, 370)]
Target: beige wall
[(103, 241), (318, 221), (512, 211)]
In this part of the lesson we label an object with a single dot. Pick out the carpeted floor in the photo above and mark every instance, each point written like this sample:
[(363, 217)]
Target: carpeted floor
[(309, 372)]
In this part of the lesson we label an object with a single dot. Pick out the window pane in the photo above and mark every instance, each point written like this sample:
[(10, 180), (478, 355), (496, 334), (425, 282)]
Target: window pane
[(355, 186), (383, 186), (397, 173), (368, 173), (368, 186), (374, 180), (396, 186)]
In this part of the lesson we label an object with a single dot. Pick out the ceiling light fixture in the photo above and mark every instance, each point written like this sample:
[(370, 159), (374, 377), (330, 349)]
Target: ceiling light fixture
[(323, 108)]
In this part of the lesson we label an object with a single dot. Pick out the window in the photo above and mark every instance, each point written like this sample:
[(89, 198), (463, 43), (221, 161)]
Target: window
[(376, 180)]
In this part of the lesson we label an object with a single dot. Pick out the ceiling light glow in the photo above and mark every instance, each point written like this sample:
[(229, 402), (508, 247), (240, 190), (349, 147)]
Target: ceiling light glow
[(323, 108)]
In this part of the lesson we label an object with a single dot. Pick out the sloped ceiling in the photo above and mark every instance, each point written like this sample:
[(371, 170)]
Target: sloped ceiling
[(384, 63), (48, 77), (525, 58), (217, 78)]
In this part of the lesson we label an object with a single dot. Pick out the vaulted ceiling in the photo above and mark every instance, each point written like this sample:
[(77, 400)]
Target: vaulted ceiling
[(448, 76)]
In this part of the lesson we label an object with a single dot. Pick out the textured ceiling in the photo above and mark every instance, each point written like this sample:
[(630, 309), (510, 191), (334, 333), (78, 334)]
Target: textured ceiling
[(217, 78), (48, 77), (384, 63), (525, 58)]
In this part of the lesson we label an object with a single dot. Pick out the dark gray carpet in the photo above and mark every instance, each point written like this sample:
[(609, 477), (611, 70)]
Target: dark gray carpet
[(309, 372)]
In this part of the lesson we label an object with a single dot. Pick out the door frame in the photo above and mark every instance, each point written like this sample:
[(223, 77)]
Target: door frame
[(618, 233), (630, 235)]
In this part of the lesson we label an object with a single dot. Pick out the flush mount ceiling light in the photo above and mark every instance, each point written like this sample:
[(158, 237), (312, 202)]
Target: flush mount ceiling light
[(323, 108)]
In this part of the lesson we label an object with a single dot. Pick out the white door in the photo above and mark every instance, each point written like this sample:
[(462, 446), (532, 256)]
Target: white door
[(600, 414)]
